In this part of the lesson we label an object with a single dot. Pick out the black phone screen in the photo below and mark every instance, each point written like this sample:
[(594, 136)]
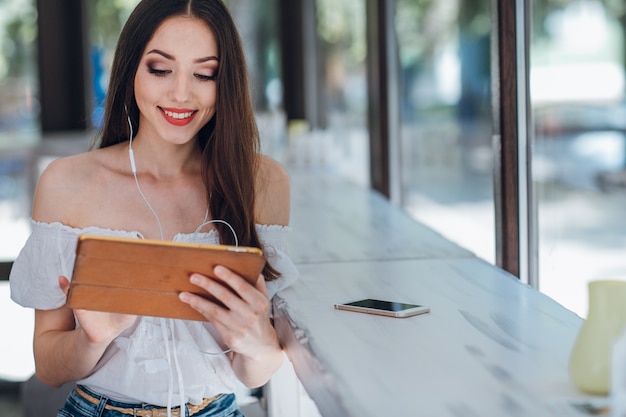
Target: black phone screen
[(382, 305)]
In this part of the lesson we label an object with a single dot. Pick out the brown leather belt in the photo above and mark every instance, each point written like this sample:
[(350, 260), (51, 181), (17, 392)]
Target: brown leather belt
[(146, 412)]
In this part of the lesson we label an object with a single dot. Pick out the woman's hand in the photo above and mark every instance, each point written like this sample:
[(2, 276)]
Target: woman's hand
[(243, 322), (99, 327), (66, 352)]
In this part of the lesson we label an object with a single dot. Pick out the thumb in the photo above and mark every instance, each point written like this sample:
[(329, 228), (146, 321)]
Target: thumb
[(64, 283)]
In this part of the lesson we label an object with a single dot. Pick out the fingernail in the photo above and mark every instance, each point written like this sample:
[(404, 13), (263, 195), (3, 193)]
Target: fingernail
[(183, 296), (219, 270), (195, 279)]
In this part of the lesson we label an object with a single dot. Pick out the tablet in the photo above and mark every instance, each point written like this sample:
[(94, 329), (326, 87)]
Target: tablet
[(145, 277)]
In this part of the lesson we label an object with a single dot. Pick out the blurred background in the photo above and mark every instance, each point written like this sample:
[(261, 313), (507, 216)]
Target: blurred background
[(444, 52)]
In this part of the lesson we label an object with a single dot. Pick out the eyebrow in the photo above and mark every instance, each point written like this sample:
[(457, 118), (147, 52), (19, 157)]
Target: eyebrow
[(171, 57)]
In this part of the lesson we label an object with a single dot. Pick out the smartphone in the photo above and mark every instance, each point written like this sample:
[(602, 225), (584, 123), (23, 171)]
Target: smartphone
[(383, 308)]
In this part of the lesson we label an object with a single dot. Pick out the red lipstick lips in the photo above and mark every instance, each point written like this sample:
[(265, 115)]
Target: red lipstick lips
[(178, 117)]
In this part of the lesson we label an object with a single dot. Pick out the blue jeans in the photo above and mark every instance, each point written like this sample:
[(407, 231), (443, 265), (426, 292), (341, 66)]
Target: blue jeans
[(78, 406)]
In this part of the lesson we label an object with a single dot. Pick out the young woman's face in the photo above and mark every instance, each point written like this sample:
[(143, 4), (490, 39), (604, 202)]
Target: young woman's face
[(175, 82)]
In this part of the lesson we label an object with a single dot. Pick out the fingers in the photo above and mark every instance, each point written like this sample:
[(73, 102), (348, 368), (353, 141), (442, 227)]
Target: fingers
[(243, 320), (220, 290), (231, 287), (233, 291), (240, 286), (260, 285)]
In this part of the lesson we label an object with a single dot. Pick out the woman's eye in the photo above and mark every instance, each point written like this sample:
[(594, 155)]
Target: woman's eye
[(158, 72), (204, 77)]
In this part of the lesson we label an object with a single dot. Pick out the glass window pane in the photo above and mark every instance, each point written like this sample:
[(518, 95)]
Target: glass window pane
[(106, 22), (19, 109), (447, 158), (579, 177), (257, 22), (19, 120), (343, 139)]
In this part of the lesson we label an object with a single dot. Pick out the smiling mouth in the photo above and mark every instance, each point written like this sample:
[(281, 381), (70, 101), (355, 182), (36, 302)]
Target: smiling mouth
[(174, 115), (178, 118)]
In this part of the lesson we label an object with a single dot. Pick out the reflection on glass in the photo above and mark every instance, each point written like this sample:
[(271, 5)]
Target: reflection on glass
[(578, 162), (343, 139), (447, 160)]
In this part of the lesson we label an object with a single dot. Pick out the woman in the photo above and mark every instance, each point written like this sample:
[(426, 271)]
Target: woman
[(178, 149)]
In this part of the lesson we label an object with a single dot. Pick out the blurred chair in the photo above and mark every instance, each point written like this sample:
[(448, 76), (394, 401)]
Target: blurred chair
[(40, 400)]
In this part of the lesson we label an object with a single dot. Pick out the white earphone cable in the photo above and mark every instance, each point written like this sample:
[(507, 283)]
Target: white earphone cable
[(133, 167)]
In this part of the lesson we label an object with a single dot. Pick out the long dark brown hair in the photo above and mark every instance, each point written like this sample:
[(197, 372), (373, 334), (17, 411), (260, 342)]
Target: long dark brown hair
[(229, 141)]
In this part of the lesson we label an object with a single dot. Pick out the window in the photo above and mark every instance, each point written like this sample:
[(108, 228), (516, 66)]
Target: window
[(447, 157), (343, 137), (106, 22), (19, 120), (577, 87)]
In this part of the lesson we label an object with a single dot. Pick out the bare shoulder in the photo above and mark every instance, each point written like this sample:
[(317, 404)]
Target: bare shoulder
[(272, 193), (63, 185)]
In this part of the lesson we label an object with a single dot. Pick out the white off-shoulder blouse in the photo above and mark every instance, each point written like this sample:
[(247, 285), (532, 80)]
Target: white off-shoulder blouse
[(155, 358)]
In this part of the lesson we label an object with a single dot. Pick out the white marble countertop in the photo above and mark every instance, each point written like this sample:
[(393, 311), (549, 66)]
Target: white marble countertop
[(335, 220), (490, 346)]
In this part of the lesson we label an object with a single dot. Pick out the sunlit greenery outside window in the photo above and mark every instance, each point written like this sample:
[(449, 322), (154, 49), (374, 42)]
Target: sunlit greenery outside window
[(19, 104), (342, 42), (19, 119), (342, 46), (578, 99), (446, 123)]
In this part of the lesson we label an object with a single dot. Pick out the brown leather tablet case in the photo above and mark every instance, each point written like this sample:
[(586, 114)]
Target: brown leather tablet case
[(144, 277)]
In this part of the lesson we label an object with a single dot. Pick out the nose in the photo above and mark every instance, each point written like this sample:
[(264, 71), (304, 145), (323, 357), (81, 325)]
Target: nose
[(181, 87)]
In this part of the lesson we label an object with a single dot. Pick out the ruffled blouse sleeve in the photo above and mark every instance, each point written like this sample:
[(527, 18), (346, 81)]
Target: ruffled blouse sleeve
[(48, 253), (274, 241)]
